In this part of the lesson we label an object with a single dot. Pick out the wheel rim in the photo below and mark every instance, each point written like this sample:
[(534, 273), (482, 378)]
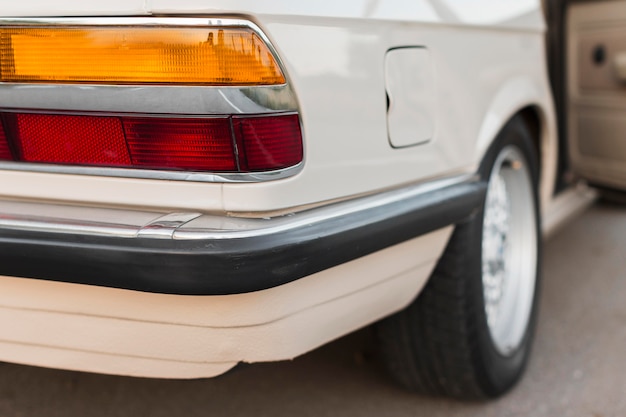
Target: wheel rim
[(509, 250)]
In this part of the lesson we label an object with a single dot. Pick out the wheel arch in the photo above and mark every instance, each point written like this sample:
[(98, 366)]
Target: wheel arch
[(523, 97)]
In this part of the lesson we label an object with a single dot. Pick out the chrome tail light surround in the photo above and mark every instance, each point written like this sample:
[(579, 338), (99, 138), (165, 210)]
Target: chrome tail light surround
[(151, 100)]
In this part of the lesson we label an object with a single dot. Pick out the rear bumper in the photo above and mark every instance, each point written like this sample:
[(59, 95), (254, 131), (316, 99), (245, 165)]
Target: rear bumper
[(196, 254), (287, 284), (115, 331)]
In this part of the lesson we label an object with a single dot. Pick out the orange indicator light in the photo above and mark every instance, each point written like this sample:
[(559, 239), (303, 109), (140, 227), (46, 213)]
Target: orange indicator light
[(137, 55)]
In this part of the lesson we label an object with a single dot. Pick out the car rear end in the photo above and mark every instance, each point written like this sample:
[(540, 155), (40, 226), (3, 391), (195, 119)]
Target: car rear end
[(188, 186), (149, 224)]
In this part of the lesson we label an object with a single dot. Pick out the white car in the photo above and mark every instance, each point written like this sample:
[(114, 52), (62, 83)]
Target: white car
[(190, 184)]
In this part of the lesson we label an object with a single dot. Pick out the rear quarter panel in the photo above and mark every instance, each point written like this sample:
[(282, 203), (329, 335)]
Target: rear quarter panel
[(488, 61)]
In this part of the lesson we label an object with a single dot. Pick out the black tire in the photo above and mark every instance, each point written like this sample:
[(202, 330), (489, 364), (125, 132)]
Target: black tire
[(441, 344)]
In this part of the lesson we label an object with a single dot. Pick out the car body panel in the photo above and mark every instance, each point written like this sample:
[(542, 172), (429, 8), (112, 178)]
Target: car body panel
[(74, 8), (343, 103)]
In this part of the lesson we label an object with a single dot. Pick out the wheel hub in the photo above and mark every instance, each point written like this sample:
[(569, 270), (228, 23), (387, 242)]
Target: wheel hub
[(509, 250)]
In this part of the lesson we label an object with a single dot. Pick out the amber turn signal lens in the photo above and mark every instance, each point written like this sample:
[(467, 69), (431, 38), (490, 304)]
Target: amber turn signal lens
[(137, 55)]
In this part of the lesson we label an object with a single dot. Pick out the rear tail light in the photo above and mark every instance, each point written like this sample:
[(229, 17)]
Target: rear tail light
[(218, 144), (146, 54), (269, 142), (64, 139), (198, 144)]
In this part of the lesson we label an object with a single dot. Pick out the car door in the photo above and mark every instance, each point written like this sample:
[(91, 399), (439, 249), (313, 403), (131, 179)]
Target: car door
[(595, 54)]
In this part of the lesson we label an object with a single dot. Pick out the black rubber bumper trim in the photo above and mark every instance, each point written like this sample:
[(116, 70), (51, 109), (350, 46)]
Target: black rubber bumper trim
[(231, 266)]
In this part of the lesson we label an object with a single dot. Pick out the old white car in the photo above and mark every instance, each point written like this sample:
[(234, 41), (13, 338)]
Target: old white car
[(190, 184)]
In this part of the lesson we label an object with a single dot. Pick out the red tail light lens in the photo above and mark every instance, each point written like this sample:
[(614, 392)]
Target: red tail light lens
[(63, 139), (216, 144), (5, 152), (269, 142), (196, 144)]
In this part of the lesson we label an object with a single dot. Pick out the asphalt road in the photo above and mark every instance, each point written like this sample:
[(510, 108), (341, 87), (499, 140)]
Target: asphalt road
[(578, 366)]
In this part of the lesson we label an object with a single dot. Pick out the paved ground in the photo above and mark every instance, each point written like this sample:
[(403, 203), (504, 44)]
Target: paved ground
[(578, 366)]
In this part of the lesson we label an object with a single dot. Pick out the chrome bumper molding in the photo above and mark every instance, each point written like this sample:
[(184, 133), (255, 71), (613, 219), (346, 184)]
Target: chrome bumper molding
[(194, 253)]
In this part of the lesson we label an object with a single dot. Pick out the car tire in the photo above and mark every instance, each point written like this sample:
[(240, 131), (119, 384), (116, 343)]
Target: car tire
[(469, 333)]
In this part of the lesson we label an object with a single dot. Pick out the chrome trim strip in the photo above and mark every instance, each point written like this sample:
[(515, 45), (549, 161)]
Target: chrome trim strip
[(150, 99), (133, 21), (355, 211), (165, 226), (223, 177), (66, 226), (196, 226)]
